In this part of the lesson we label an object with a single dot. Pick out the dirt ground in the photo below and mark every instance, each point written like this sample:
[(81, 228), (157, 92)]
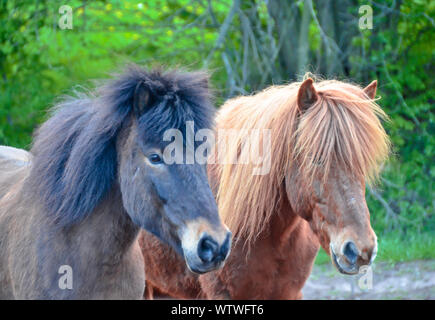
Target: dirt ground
[(404, 280)]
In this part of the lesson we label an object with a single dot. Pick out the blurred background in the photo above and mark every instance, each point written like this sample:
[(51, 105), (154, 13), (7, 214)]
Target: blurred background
[(247, 45)]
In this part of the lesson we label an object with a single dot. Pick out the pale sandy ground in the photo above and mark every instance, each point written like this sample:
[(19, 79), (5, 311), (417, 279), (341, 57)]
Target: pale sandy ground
[(405, 280)]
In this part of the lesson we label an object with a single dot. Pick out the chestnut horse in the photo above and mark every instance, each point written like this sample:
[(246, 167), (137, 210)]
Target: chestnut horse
[(327, 141), (71, 209)]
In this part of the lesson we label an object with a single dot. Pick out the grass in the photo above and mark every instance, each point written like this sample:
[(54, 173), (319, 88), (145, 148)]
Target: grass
[(322, 258), (393, 248), (414, 247)]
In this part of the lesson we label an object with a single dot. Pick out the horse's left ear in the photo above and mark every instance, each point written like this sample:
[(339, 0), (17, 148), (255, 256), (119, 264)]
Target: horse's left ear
[(141, 98), (370, 90), (307, 95)]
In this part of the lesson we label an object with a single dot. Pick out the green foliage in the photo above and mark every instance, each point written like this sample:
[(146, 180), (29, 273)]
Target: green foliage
[(39, 62), (402, 59)]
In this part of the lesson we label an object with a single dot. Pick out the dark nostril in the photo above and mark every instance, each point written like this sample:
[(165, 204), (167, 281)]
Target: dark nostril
[(350, 252), (207, 249)]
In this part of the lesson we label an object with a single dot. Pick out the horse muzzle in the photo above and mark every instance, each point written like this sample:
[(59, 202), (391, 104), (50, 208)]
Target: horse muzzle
[(207, 251), (350, 259)]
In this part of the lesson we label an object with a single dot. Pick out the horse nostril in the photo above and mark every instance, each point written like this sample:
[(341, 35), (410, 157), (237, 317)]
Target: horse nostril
[(350, 252), (225, 246), (207, 249)]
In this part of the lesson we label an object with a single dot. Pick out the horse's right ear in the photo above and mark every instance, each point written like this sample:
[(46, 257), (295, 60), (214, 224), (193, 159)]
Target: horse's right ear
[(370, 90), (141, 98), (307, 95)]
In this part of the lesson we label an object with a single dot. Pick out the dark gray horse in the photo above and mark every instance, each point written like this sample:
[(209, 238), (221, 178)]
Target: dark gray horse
[(72, 208)]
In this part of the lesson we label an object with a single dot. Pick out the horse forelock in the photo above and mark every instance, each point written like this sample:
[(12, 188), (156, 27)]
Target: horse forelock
[(342, 128), (75, 157), (186, 98)]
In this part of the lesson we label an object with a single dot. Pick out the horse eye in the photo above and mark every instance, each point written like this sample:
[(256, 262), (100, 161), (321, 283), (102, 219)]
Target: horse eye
[(155, 158)]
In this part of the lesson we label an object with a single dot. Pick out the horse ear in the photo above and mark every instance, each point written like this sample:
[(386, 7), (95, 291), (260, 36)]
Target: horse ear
[(141, 98), (307, 95), (370, 90)]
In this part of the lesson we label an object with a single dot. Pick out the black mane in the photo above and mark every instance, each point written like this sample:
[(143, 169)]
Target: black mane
[(75, 158)]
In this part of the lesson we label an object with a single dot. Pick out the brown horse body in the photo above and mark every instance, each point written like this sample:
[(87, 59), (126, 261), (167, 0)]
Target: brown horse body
[(327, 141)]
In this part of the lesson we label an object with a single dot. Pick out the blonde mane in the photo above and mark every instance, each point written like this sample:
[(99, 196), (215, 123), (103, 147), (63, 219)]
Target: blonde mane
[(343, 127)]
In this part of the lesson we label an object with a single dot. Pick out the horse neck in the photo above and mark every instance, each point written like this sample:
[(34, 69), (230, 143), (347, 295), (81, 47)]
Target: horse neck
[(286, 248), (286, 226), (109, 228), (284, 221), (280, 226)]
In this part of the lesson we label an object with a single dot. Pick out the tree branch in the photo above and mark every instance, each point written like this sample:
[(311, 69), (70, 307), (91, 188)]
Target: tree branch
[(223, 30)]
